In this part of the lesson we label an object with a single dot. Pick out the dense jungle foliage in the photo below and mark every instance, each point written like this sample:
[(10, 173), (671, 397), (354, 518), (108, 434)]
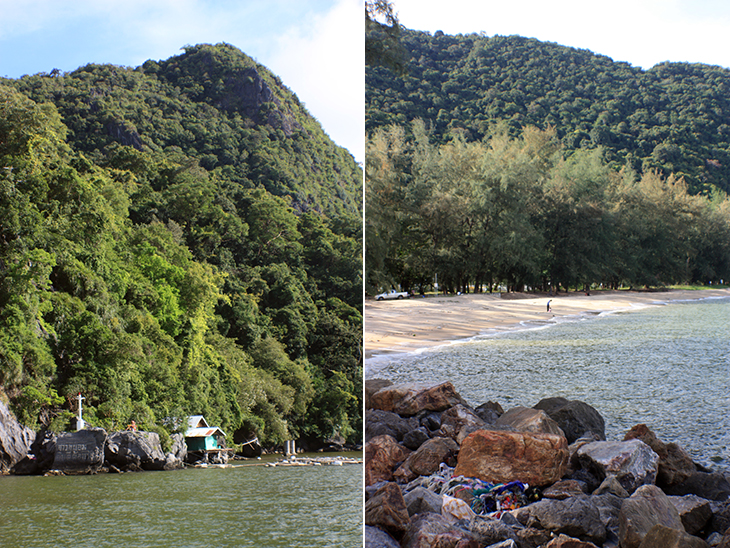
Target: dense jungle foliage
[(511, 161), (178, 238)]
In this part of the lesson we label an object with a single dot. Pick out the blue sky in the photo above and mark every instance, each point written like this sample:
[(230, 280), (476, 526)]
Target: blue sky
[(640, 32), (315, 46)]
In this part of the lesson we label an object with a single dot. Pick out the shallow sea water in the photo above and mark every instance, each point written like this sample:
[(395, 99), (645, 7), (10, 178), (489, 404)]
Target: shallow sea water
[(665, 365), (254, 506)]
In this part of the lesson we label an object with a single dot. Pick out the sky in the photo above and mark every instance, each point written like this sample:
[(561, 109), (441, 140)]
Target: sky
[(640, 32), (315, 46)]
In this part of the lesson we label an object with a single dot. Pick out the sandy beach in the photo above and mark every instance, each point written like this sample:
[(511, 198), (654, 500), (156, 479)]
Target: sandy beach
[(408, 325)]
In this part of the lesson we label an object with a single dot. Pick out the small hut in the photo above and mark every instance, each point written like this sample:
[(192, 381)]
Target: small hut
[(202, 437)]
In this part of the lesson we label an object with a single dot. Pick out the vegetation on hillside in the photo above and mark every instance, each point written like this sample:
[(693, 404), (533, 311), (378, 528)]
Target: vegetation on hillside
[(509, 161), (178, 238), (673, 118)]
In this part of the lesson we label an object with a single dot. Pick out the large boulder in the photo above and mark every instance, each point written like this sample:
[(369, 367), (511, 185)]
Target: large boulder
[(647, 507), (15, 439), (661, 536), (427, 459), (526, 419), (576, 517), (386, 509), (675, 464), (379, 422), (382, 455), (500, 457), (131, 450), (576, 419), (632, 462), (80, 452), (411, 398)]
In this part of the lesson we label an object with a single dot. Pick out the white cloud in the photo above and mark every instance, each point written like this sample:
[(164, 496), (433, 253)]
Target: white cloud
[(321, 60)]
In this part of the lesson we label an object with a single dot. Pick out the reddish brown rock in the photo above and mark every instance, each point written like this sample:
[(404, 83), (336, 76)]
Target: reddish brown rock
[(675, 464), (525, 419), (427, 459), (498, 456), (386, 509), (410, 398), (382, 455), (371, 387)]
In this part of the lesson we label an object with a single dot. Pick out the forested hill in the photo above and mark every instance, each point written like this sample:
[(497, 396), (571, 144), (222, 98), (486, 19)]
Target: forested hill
[(216, 106), (674, 117), (178, 238)]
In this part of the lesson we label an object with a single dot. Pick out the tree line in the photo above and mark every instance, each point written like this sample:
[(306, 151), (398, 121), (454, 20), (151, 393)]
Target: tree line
[(525, 212)]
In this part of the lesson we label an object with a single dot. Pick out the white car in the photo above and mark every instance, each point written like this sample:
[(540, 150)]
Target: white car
[(393, 294)]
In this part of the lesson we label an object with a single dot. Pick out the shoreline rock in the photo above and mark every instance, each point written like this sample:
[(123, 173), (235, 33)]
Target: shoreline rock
[(527, 478)]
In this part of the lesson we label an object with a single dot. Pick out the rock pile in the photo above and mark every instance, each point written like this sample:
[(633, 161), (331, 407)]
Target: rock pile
[(439, 473)]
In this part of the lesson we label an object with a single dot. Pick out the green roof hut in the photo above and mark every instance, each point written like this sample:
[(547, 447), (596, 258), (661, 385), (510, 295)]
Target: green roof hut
[(202, 437)]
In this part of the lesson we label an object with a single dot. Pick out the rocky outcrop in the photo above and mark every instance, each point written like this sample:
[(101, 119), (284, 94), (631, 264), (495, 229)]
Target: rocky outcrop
[(15, 440), (80, 452), (497, 456)]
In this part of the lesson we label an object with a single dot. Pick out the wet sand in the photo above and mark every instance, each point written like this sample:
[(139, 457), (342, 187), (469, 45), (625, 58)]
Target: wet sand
[(411, 324)]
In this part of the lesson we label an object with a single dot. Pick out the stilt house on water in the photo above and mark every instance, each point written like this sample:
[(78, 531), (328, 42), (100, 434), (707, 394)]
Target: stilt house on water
[(204, 439)]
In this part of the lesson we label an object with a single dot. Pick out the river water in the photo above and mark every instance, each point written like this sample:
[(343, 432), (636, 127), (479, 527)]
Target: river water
[(667, 366), (246, 506)]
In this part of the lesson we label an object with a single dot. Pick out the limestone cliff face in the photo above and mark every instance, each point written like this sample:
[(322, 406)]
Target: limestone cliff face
[(15, 439)]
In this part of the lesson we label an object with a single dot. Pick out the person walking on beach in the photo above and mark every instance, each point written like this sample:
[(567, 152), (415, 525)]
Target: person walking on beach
[(548, 306)]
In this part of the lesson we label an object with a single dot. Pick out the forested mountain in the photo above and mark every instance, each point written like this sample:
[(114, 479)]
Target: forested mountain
[(178, 238), (509, 161), (674, 117)]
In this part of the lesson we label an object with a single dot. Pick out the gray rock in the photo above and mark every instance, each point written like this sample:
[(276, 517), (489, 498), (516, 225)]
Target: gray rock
[(632, 462), (421, 500), (609, 508), (509, 543), (694, 511), (377, 538), (489, 412), (129, 450), (575, 418), (80, 452), (576, 517), (15, 439), (379, 423), (491, 532), (611, 485), (647, 507), (415, 438), (708, 485), (429, 529), (456, 420)]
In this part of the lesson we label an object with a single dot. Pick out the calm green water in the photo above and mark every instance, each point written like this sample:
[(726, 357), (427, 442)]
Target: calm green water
[(667, 366), (312, 506)]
